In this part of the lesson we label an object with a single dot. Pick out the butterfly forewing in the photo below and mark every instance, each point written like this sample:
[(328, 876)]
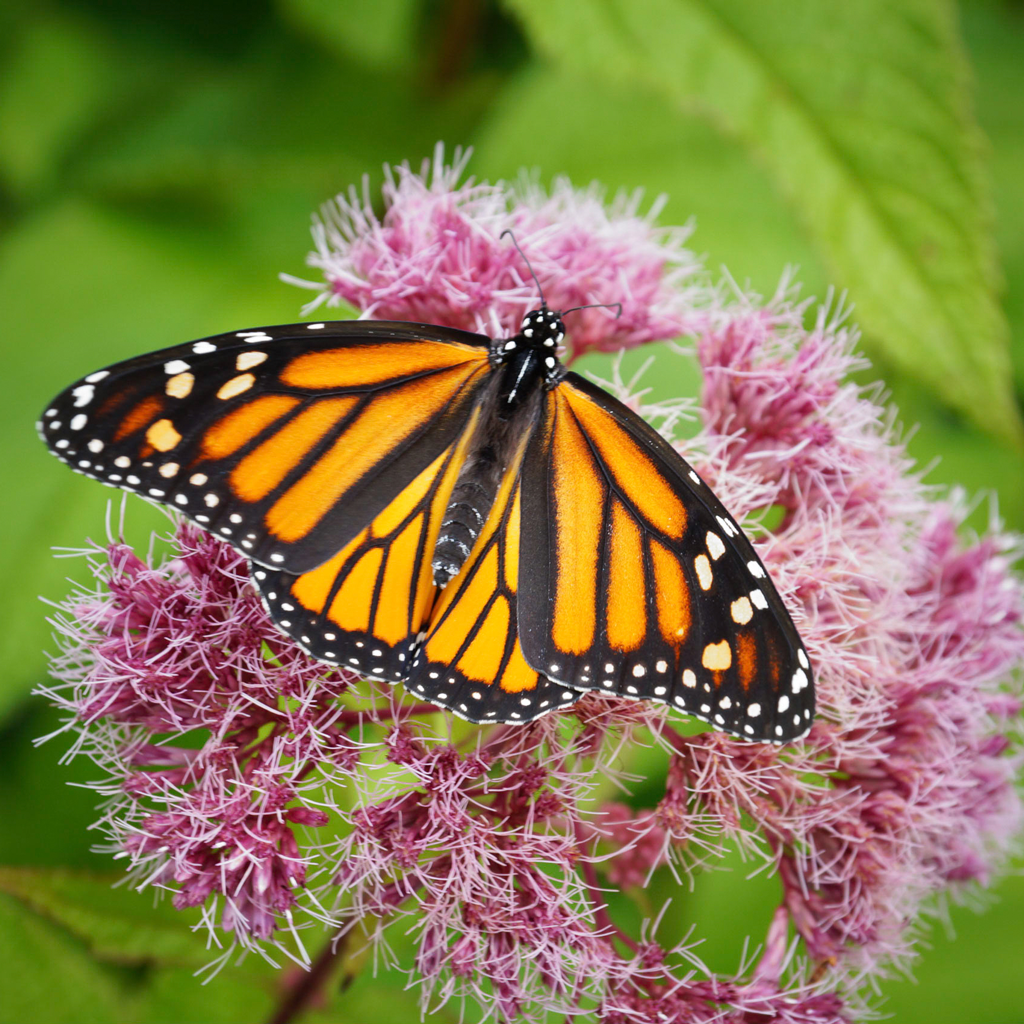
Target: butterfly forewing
[(285, 441), (636, 581)]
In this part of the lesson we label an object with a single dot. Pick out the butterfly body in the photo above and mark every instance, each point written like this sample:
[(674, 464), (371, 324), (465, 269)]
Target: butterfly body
[(524, 365), (459, 514)]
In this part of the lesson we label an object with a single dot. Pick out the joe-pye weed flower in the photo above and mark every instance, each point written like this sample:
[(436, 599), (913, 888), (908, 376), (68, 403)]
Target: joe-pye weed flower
[(290, 800)]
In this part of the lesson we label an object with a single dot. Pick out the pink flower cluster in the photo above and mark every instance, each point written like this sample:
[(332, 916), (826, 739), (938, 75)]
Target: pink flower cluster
[(281, 794), (212, 728), (438, 257)]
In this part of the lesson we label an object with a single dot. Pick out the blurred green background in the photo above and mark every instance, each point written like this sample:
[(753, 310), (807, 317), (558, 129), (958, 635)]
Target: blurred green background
[(158, 166)]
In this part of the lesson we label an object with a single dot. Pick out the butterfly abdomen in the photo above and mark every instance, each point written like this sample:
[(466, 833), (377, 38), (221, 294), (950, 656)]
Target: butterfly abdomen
[(466, 514), (473, 495)]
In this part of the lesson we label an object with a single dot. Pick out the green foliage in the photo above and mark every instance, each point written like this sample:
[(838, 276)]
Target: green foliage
[(372, 32), (859, 111), (114, 923), (39, 125), (75, 988), (707, 178), (70, 954), (158, 165)]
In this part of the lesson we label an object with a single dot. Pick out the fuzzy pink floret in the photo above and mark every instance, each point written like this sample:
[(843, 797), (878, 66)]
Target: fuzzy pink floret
[(437, 257), (276, 792)]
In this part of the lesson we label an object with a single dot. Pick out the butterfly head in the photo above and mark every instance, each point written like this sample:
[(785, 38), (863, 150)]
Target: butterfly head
[(541, 329)]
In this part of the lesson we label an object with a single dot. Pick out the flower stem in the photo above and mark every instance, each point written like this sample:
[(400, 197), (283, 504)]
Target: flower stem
[(298, 996)]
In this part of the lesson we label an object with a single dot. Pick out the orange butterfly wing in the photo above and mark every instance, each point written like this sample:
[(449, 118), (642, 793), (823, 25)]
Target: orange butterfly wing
[(471, 660), (366, 607), (636, 581), (285, 441)]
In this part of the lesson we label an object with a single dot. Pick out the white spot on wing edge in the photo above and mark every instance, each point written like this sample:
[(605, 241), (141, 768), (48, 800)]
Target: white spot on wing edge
[(715, 546), (729, 528), (236, 386), (704, 575), (741, 611), (247, 360)]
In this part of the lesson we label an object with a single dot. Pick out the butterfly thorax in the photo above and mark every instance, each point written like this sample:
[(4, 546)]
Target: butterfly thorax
[(529, 359)]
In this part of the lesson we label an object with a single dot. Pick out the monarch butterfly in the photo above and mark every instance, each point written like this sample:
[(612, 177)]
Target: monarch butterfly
[(460, 514)]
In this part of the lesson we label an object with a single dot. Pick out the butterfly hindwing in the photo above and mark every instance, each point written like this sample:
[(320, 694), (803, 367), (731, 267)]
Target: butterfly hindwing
[(471, 661), (365, 607), (636, 581), (285, 441)]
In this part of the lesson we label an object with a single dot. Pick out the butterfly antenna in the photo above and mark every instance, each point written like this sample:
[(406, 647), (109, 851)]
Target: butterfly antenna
[(540, 291), (597, 305)]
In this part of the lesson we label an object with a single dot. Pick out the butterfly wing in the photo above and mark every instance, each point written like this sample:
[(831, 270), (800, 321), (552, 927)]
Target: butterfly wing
[(635, 580), (471, 661), (285, 441), (366, 606)]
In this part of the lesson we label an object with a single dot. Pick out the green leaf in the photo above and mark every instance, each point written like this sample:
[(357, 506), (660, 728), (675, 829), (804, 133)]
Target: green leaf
[(47, 798), (39, 121), (82, 950), (174, 996), (119, 925), (965, 973), (48, 975), (995, 36), (303, 125), (379, 32), (860, 112), (707, 179)]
